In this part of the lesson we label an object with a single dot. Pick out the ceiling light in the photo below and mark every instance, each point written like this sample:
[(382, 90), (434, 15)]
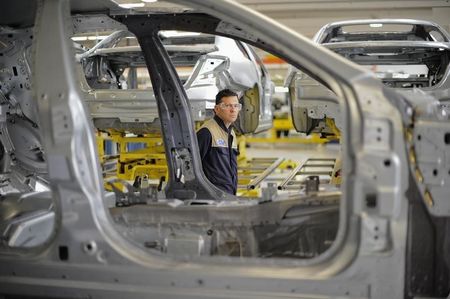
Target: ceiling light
[(376, 25), (79, 38), (149, 1), (131, 5), (281, 89), (175, 33)]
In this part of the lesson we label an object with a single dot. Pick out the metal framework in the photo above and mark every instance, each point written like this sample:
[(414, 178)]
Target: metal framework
[(390, 210)]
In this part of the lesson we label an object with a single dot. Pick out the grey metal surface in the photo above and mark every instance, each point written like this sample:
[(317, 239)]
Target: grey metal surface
[(218, 62), (428, 144), (27, 220), (424, 27), (16, 72), (22, 155), (89, 255), (388, 50)]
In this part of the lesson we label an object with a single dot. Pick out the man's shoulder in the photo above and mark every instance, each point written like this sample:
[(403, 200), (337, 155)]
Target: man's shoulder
[(204, 132), (207, 124)]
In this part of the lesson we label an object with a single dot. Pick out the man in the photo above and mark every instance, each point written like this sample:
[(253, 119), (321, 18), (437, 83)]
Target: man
[(218, 145)]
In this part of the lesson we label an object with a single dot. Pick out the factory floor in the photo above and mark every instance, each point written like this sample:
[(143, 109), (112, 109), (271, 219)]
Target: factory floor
[(286, 167)]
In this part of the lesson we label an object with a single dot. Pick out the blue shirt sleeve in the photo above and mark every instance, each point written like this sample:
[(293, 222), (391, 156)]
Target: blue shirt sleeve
[(204, 141)]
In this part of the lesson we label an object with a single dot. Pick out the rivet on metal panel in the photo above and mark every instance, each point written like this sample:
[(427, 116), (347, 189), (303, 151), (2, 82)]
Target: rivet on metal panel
[(412, 155), (428, 199), (90, 247), (419, 175), (409, 135)]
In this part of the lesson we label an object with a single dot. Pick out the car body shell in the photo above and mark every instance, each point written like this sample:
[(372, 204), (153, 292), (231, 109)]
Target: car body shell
[(393, 207), (235, 66), (416, 55)]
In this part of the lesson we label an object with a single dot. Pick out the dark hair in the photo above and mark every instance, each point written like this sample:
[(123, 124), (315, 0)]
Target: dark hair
[(224, 93)]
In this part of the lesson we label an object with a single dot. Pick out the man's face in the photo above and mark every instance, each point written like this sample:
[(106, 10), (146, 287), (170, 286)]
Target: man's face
[(227, 110)]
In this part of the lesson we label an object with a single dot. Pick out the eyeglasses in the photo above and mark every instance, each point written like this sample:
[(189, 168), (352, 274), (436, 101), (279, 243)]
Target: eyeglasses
[(229, 106)]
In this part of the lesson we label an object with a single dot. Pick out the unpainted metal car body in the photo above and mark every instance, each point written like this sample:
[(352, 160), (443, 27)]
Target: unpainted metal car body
[(403, 53), (217, 63), (193, 240)]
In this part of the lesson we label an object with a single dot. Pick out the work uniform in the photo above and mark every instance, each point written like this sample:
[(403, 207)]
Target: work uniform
[(218, 151)]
